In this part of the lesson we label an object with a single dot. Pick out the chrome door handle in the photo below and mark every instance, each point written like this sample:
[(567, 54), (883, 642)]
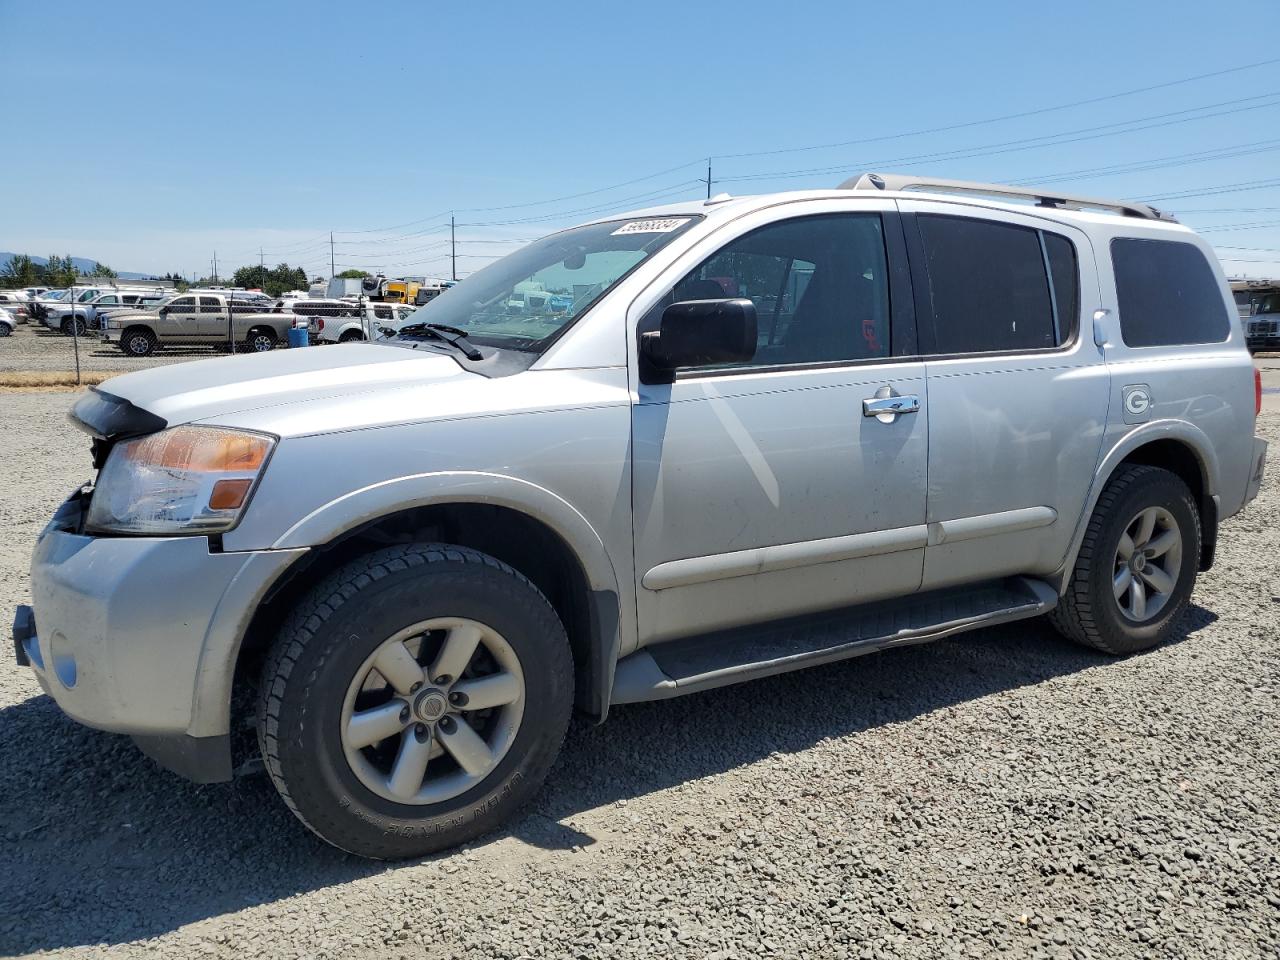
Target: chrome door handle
[(886, 408)]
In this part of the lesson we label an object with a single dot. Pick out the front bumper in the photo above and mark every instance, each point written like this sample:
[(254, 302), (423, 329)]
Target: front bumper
[(139, 635)]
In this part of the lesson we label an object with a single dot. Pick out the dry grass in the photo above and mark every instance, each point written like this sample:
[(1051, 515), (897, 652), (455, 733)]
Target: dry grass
[(31, 381)]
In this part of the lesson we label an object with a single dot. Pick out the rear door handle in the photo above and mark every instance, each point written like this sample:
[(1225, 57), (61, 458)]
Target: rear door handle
[(886, 408)]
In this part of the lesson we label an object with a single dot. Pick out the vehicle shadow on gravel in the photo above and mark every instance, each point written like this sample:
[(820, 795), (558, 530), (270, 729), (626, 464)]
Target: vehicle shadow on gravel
[(102, 847)]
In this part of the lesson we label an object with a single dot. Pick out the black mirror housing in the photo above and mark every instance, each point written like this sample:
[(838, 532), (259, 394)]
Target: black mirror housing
[(698, 333)]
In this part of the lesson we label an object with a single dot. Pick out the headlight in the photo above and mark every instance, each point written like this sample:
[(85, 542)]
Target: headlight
[(186, 480)]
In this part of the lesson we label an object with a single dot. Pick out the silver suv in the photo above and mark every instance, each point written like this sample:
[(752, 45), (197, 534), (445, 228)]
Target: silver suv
[(734, 438)]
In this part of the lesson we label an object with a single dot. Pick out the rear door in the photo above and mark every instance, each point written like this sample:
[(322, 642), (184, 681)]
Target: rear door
[(212, 323), (1018, 390)]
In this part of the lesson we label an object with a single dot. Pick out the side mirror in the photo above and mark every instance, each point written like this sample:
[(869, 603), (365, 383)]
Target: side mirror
[(163, 311), (697, 333)]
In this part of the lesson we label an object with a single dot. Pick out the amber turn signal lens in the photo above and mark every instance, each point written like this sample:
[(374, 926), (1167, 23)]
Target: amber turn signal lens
[(229, 494)]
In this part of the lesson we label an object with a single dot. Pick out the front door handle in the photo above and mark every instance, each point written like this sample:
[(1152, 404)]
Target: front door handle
[(886, 406)]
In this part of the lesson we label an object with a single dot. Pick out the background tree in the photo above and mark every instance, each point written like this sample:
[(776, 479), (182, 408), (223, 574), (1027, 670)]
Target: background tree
[(61, 271), (273, 281), (103, 271), (353, 275), (21, 271)]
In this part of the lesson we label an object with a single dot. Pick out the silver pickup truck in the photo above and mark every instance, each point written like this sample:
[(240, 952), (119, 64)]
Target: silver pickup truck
[(200, 318), (736, 437)]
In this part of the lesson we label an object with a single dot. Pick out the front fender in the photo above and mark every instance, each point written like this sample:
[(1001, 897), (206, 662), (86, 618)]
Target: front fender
[(367, 504)]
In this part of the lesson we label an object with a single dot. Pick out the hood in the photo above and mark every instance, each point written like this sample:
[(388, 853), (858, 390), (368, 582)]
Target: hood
[(211, 389)]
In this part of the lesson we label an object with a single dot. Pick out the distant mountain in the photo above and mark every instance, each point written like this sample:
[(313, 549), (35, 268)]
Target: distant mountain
[(83, 264)]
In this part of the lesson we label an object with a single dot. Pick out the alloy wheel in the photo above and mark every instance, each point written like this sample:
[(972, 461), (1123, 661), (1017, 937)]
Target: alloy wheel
[(1148, 562), (432, 710)]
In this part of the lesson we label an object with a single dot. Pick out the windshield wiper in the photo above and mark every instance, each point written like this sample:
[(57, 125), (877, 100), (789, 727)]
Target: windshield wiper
[(450, 335)]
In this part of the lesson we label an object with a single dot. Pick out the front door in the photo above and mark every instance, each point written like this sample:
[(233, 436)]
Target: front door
[(1018, 389), (764, 489), (181, 320)]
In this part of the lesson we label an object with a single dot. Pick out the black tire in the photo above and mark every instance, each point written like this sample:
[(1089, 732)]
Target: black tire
[(351, 336), (73, 327), (259, 340), (1088, 613), (5, 329), (138, 342), (322, 646)]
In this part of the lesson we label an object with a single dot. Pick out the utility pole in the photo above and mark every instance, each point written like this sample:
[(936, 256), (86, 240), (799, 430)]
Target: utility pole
[(215, 268), (453, 249), (708, 180), (332, 272), (262, 268)]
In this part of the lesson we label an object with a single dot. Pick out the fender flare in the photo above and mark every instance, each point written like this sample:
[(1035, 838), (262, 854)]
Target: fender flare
[(211, 714), (1189, 435)]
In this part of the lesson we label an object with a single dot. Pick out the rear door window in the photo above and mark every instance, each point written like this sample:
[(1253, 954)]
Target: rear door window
[(997, 287), (1167, 294)]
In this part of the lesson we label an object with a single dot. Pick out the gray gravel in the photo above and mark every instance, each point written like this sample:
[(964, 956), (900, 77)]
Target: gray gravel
[(34, 347), (1001, 793)]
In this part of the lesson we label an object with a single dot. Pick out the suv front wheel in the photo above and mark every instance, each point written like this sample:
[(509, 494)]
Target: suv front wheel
[(1136, 568), (414, 700)]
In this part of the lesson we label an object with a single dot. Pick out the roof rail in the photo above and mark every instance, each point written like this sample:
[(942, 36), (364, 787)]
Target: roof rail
[(1043, 198)]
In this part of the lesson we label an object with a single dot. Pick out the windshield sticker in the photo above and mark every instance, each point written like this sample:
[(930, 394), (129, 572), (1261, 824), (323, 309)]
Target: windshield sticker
[(651, 226)]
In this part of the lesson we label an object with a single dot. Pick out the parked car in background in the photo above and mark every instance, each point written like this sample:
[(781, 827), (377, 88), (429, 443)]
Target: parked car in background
[(17, 303), (199, 319), (147, 301), (366, 321), (38, 305), (1259, 304), (84, 312), (8, 322)]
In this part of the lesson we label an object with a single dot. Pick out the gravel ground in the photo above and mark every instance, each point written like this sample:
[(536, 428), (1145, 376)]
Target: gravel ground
[(1001, 793), (35, 347)]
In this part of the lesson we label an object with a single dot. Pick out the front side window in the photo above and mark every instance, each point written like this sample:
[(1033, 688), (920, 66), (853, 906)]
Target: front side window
[(524, 301), (819, 284), (1167, 294), (183, 305), (997, 286)]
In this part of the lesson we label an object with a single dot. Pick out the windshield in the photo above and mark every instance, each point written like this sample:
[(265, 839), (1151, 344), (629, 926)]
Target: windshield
[(1270, 303), (525, 299)]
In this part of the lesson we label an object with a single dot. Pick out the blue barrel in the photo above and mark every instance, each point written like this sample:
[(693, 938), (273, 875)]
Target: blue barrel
[(299, 337)]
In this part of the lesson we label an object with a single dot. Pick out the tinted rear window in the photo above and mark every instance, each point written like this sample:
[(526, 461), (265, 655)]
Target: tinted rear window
[(989, 286), (1167, 294)]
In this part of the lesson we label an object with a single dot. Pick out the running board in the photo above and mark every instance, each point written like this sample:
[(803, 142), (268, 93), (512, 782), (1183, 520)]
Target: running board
[(677, 667)]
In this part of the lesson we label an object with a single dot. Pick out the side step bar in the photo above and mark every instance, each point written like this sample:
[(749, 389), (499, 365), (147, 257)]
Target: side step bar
[(677, 667)]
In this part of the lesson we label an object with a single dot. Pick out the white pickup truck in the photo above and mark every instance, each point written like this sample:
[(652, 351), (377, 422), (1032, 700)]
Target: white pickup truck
[(342, 321)]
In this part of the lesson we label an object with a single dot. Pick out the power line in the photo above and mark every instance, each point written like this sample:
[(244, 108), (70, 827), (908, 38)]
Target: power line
[(1031, 143), (1000, 119), (1243, 186), (1156, 163)]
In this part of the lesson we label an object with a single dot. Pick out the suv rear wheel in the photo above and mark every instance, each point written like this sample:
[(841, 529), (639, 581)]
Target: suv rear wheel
[(138, 342), (1137, 565), (414, 700)]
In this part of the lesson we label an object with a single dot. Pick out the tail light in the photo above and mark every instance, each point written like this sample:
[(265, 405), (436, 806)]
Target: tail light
[(1257, 391)]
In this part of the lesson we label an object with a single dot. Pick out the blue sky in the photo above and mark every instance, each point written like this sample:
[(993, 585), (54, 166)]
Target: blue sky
[(155, 134)]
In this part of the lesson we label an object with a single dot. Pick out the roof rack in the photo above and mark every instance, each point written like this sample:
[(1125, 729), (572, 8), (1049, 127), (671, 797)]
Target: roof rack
[(1043, 198)]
